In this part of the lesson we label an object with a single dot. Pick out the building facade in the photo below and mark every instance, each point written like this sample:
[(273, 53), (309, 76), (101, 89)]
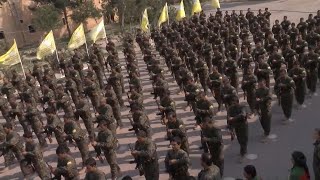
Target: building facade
[(16, 23)]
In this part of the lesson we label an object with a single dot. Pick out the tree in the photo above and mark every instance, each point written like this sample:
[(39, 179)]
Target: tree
[(78, 6), (84, 11), (47, 18), (2, 2)]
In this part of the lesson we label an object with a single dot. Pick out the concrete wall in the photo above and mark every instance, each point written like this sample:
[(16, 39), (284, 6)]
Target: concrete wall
[(15, 17)]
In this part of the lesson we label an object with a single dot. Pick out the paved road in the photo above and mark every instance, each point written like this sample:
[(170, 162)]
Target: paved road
[(273, 158)]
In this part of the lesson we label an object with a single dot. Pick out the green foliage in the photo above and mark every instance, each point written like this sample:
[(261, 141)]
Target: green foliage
[(47, 18), (84, 11)]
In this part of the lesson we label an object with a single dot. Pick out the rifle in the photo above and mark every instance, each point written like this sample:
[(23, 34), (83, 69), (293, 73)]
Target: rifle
[(3, 149), (136, 160), (48, 132), (99, 152), (69, 138), (134, 128), (162, 113)]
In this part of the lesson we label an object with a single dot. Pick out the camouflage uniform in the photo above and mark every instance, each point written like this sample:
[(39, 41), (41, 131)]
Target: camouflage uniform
[(74, 132), (179, 170), (67, 168), (147, 156), (107, 142), (35, 157)]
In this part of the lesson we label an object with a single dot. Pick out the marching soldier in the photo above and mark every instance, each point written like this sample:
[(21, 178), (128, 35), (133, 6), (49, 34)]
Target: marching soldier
[(92, 171), (298, 74), (210, 171), (33, 155), (106, 113), (107, 142), (146, 157), (311, 62), (112, 100), (177, 161), (212, 142), (12, 144), (284, 89), (237, 118), (54, 126), (74, 133), (204, 108), (66, 166), (215, 84), (263, 107), (34, 118), (140, 122), (176, 128), (115, 81), (263, 70), (83, 112), (248, 86)]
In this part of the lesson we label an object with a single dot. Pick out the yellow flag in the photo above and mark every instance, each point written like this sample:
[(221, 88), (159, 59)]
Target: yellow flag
[(164, 16), (78, 38), (11, 57), (145, 21), (47, 47), (196, 7), (181, 13), (98, 32), (215, 3)]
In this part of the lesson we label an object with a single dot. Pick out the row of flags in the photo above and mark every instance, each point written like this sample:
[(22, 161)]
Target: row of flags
[(164, 16), (48, 45)]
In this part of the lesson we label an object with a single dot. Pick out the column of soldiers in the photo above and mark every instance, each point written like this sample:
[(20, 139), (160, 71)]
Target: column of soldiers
[(195, 54), (201, 54), (74, 97)]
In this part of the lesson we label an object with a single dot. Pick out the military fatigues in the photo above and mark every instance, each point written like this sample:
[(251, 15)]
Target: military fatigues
[(107, 142), (140, 122), (106, 114), (74, 132), (240, 125), (34, 119), (55, 125), (214, 145), (13, 144), (115, 81), (204, 108), (67, 168), (83, 112), (212, 173), (112, 100), (178, 129), (248, 86), (284, 89), (214, 82), (34, 156), (298, 75), (148, 158), (263, 108), (311, 62), (96, 175), (179, 170)]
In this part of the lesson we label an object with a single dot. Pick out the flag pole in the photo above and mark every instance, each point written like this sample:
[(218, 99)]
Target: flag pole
[(61, 71), (168, 14), (87, 48), (24, 73)]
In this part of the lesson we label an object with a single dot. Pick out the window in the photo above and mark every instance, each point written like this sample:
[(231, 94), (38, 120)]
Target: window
[(1, 35), (31, 29)]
